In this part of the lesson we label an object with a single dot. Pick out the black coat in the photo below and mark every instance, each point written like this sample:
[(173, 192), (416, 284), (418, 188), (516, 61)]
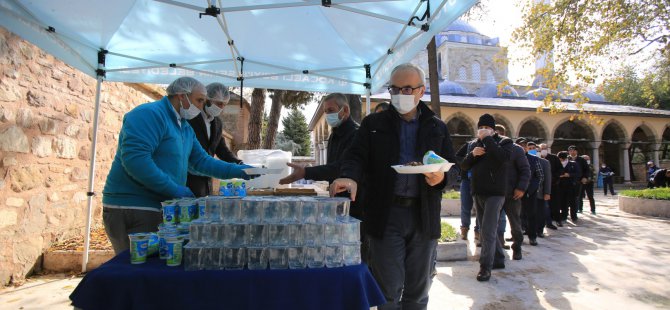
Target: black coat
[(340, 140), (376, 147), (489, 171), (583, 170), (214, 145)]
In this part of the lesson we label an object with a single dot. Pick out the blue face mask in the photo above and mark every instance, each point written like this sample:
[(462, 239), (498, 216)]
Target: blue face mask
[(532, 152), (333, 119)]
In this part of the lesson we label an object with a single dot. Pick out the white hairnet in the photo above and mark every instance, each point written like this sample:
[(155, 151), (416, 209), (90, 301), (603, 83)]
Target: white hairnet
[(218, 92), (183, 85)]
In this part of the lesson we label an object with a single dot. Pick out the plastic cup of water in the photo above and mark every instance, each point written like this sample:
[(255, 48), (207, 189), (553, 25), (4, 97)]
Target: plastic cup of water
[(332, 233), (257, 258), (174, 250), (292, 213), (213, 208), (351, 231), (352, 254), (234, 235), (327, 210), (186, 210), (313, 234), (235, 258), (153, 244), (296, 236), (277, 257), (278, 234), (191, 254), (333, 255), (272, 211), (256, 235), (342, 210), (162, 243), (139, 246), (251, 210), (230, 210), (169, 212), (309, 210), (314, 256), (296, 257)]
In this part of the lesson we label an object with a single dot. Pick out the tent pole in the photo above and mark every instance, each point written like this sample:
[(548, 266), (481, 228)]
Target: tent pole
[(367, 100), (94, 142)]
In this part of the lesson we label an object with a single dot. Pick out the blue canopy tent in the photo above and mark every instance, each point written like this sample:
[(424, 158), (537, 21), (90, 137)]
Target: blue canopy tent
[(347, 46)]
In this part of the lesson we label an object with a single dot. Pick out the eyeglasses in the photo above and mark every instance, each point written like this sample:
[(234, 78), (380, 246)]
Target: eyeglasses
[(405, 90)]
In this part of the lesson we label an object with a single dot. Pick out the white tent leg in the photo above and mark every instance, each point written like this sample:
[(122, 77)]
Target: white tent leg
[(91, 176)]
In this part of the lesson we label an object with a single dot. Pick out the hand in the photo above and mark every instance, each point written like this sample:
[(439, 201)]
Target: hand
[(297, 174), (518, 194), (344, 184), (183, 191), (547, 197), (478, 151), (434, 178), (243, 174), (585, 180)]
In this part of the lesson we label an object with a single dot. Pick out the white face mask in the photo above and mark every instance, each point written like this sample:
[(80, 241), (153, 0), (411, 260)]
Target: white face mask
[(603, 166), (189, 113), (543, 153), (485, 132), (403, 103), (213, 110), (588, 162), (333, 119), (564, 163)]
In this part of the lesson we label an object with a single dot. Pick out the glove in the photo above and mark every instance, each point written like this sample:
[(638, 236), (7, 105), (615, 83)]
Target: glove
[(183, 191), (236, 172)]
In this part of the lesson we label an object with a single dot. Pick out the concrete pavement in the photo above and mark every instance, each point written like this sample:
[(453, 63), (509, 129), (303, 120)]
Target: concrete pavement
[(613, 260)]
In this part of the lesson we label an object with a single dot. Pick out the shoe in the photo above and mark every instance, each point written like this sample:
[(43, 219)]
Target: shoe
[(498, 266), (593, 212), (574, 219), (516, 254), (484, 274), (552, 226), (509, 239), (533, 242), (559, 224), (540, 234), (464, 233)]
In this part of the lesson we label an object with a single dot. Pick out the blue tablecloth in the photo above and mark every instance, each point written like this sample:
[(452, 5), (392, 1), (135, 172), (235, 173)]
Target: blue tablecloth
[(118, 284)]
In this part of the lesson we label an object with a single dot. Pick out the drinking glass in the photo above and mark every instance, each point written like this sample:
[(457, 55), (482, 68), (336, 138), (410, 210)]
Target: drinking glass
[(235, 258), (333, 255), (296, 257), (257, 258), (278, 234), (277, 257)]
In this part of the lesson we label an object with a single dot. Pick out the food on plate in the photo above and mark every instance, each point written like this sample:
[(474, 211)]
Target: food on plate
[(414, 163)]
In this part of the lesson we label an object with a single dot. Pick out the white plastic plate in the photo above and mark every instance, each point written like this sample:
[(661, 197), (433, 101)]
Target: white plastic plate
[(402, 169)]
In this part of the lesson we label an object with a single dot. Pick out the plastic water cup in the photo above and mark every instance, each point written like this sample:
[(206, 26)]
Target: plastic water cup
[(352, 254), (327, 210), (278, 258), (256, 235), (234, 235), (309, 210), (292, 206), (257, 258), (239, 187), (213, 208), (174, 250), (202, 208), (214, 259), (230, 210), (186, 210), (351, 230), (162, 243), (296, 235), (332, 233), (313, 234), (169, 212), (273, 211), (278, 234), (195, 230), (139, 246), (333, 255), (251, 210), (342, 211), (226, 188), (314, 256), (211, 232), (153, 244), (191, 254), (296, 257), (235, 258)]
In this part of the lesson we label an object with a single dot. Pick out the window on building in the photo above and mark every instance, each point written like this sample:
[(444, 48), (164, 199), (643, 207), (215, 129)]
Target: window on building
[(439, 64), (490, 78), (462, 74), (476, 71)]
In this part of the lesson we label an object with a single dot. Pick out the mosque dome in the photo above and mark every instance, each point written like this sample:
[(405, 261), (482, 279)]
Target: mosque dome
[(450, 88), (541, 93), (460, 25), (593, 96), (462, 32), (491, 91)]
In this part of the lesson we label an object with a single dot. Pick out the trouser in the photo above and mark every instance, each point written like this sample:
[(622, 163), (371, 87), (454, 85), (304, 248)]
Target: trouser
[(565, 194), (402, 260), (543, 215), (121, 222), (579, 202), (466, 203), (488, 211), (529, 205), (587, 190), (512, 208), (502, 222), (608, 182)]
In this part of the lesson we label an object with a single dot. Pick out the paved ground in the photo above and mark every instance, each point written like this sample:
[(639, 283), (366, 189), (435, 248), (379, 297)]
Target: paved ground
[(610, 261)]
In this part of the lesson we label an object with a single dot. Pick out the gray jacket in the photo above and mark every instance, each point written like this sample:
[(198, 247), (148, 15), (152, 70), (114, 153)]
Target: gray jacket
[(518, 170)]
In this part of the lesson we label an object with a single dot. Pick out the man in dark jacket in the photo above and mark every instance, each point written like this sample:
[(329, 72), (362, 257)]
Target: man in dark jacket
[(555, 167), (568, 177), (582, 176), (661, 178), (487, 162), (402, 211), (535, 184), (208, 129)]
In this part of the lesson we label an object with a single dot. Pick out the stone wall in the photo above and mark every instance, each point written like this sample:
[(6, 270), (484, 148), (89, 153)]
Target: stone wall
[(46, 118)]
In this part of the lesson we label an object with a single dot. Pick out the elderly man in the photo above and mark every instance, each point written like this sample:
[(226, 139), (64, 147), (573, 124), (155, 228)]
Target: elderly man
[(581, 175), (587, 184), (156, 148), (208, 128), (402, 211), (488, 162)]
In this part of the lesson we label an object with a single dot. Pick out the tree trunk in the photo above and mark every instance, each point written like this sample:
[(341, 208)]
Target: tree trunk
[(355, 107), (273, 120), (256, 118), (433, 78)]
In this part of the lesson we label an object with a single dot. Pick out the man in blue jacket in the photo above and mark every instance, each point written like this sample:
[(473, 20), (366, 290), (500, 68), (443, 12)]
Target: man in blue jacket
[(401, 211), (156, 149)]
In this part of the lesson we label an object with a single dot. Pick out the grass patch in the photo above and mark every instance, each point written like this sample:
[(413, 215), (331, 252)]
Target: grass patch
[(448, 233), (662, 193), (451, 195)]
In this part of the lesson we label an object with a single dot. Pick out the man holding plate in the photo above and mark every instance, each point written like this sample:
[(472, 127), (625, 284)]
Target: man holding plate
[(402, 211)]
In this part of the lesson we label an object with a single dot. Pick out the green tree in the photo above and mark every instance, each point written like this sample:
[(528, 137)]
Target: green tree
[(282, 98), (256, 118), (625, 88), (295, 129)]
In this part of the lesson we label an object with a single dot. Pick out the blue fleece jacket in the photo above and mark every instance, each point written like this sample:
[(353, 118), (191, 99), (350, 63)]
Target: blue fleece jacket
[(153, 157)]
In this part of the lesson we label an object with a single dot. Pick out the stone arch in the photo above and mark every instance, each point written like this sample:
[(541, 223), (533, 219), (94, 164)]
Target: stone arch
[(534, 128), (664, 149), (509, 129), (642, 145), (576, 132), (461, 128), (612, 138)]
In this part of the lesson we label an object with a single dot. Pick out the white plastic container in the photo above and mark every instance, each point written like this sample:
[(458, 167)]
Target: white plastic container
[(268, 159)]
